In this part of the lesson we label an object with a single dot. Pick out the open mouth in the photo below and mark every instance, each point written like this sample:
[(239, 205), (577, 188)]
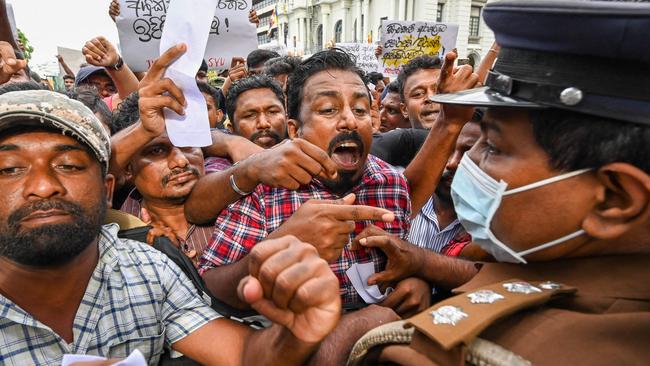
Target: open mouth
[(346, 154)]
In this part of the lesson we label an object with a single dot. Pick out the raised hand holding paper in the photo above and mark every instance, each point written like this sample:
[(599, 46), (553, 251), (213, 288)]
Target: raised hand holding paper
[(186, 22)]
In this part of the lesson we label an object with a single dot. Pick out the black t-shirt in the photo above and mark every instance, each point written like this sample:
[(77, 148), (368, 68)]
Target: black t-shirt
[(399, 146)]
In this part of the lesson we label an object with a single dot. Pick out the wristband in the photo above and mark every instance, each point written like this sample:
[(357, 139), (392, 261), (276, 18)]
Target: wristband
[(118, 65), (234, 187)]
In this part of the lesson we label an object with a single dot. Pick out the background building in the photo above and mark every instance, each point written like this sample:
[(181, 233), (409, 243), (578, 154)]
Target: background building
[(305, 26)]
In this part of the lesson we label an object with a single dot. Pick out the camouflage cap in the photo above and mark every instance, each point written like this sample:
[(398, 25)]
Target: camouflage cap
[(55, 110)]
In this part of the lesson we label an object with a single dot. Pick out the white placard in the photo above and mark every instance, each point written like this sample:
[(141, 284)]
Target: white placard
[(402, 41), (364, 53), (141, 22), (185, 25), (73, 58)]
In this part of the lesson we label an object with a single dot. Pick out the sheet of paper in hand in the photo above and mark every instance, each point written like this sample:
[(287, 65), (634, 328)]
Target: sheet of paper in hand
[(402, 41), (186, 25), (141, 22), (364, 53)]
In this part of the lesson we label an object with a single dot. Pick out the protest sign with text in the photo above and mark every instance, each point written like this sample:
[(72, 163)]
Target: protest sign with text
[(141, 22), (402, 41), (364, 53)]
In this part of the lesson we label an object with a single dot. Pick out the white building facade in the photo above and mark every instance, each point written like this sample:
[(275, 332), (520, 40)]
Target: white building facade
[(306, 26)]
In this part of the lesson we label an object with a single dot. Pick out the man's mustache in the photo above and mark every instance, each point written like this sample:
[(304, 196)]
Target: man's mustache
[(266, 133), (168, 177), (43, 205)]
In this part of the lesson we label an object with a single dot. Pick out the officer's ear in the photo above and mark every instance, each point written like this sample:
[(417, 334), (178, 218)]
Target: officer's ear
[(293, 127), (623, 202)]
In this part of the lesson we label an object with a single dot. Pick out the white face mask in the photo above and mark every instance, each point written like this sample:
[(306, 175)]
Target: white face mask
[(477, 197)]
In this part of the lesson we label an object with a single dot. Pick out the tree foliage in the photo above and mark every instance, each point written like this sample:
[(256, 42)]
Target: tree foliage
[(26, 47)]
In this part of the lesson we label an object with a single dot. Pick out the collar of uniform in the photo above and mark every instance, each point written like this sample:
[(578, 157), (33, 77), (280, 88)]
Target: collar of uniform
[(372, 171), (622, 276)]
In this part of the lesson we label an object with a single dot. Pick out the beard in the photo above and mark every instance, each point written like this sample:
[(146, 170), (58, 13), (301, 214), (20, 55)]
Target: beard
[(50, 245), (443, 191), (346, 179)]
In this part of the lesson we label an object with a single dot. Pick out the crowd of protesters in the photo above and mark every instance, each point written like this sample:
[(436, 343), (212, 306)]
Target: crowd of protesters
[(503, 209)]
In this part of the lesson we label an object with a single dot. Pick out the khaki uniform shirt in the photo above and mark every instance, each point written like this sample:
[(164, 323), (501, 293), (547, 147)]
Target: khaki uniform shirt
[(606, 321)]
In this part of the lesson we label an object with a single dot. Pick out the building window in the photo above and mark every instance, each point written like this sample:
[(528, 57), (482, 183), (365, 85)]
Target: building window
[(439, 12), (355, 31), (474, 21), (263, 38), (338, 31), (263, 4)]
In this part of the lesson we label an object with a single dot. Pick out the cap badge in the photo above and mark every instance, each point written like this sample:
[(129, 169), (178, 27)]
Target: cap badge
[(571, 96), (484, 297), (520, 287), (448, 314)]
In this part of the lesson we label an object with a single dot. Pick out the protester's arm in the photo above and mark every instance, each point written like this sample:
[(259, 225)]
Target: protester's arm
[(292, 287), (324, 224), (423, 173), (64, 65), (155, 94), (408, 260), (100, 52), (234, 147), (335, 349), (288, 165)]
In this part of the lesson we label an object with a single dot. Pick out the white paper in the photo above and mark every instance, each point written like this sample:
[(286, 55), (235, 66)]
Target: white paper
[(358, 274), (186, 22), (402, 41), (364, 54), (135, 359), (141, 22)]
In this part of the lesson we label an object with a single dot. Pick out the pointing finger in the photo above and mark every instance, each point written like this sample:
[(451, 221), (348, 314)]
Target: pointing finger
[(159, 67)]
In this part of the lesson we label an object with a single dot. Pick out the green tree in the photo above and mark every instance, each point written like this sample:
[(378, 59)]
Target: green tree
[(26, 47)]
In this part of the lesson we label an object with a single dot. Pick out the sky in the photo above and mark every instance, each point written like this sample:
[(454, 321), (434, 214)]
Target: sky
[(67, 23)]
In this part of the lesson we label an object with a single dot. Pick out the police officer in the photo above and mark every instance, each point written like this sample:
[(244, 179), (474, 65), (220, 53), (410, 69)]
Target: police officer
[(557, 190)]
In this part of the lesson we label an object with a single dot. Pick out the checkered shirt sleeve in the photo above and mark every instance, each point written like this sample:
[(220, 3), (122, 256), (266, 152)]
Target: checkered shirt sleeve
[(238, 228)]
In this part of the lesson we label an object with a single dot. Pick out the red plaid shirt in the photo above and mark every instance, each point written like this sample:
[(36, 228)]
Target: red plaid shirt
[(245, 223)]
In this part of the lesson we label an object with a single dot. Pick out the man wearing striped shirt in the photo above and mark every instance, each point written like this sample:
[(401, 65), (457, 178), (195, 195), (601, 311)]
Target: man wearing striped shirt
[(436, 226)]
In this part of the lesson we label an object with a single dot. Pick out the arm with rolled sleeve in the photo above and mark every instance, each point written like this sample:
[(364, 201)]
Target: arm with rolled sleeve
[(224, 263)]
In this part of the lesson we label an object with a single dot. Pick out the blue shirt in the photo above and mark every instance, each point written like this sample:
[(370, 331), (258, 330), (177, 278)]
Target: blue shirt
[(425, 230)]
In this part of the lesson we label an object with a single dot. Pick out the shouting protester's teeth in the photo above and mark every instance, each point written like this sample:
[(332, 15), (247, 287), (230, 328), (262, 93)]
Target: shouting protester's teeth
[(346, 155)]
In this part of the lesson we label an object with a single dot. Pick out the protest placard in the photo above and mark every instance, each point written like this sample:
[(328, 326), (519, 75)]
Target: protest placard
[(364, 53), (141, 22), (73, 58), (402, 41)]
